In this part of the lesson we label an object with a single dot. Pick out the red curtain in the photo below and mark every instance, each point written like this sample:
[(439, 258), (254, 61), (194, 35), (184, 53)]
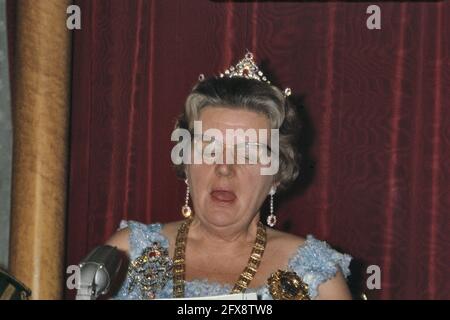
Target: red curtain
[(376, 106)]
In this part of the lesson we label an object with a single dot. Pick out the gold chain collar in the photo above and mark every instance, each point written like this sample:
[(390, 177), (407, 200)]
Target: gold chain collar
[(179, 267)]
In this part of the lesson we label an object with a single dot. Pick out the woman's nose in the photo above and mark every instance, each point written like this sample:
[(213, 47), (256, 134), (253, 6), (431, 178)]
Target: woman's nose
[(225, 170)]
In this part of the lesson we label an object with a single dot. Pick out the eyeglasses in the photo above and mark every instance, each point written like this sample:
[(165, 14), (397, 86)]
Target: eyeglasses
[(248, 152)]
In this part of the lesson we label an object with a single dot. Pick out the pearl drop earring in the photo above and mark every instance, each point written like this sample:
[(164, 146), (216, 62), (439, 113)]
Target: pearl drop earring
[(186, 210)]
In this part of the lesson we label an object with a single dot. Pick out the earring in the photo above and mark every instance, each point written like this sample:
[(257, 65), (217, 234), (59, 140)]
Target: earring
[(186, 211), (272, 219)]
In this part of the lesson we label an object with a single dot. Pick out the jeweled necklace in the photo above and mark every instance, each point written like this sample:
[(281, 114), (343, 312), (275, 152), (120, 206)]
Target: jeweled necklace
[(244, 279)]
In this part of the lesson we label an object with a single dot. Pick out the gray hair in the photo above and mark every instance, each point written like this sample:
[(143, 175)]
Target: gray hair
[(252, 95)]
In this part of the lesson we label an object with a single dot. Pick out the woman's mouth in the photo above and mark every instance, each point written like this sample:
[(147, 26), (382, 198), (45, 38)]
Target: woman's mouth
[(224, 196)]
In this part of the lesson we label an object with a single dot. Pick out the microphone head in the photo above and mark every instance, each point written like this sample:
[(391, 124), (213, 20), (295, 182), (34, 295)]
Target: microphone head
[(98, 270)]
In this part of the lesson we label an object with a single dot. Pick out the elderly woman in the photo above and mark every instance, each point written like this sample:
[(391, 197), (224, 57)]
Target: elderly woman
[(221, 247)]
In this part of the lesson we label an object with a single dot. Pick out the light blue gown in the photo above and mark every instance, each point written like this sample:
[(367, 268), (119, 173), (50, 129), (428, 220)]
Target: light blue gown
[(314, 262)]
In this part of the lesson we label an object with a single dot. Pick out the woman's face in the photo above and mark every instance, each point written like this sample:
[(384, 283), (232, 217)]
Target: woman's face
[(229, 194)]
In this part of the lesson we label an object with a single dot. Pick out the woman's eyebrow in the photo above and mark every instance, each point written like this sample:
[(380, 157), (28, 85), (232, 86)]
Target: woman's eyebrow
[(205, 137)]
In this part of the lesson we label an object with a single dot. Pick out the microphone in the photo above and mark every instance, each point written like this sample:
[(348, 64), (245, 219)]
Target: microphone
[(97, 271)]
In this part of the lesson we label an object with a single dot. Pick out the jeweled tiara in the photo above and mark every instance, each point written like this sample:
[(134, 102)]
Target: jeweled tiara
[(246, 68)]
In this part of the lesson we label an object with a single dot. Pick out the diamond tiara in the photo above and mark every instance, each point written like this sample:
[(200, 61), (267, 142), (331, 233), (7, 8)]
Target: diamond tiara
[(246, 68)]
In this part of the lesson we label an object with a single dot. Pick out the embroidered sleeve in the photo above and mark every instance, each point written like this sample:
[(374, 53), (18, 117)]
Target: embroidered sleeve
[(150, 265), (316, 262)]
